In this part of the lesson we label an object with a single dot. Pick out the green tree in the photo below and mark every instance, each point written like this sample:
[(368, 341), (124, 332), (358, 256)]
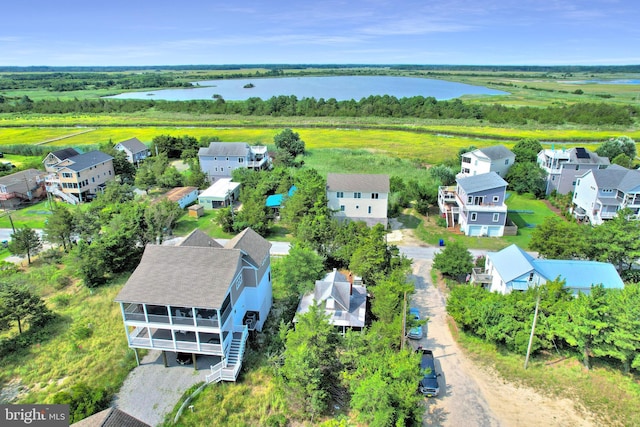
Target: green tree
[(25, 241), (161, 218), (18, 304), (444, 174), (289, 142), (527, 177), (587, 318), (559, 239), (170, 178), (300, 269), (616, 241), (59, 226), (623, 160), (526, 150), (311, 365), (616, 146), (454, 261), (372, 258)]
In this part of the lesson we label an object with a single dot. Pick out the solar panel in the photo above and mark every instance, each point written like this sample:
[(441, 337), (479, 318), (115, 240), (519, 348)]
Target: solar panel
[(581, 153)]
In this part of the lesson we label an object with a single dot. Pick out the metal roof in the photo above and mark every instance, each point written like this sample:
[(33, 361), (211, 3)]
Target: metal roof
[(223, 149), (495, 152), (511, 262), (482, 182), (579, 275)]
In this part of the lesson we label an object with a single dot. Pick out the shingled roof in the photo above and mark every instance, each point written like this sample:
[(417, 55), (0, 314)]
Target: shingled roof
[(200, 239), (65, 153), (252, 244), (187, 276), (83, 161), (482, 182), (358, 182), (223, 149), (110, 417), (134, 145)]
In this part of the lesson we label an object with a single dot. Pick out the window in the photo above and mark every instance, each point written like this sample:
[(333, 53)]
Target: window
[(466, 160), (369, 209), (496, 217), (227, 159), (357, 195), (469, 200), (375, 196), (474, 216), (496, 199), (93, 179), (341, 208), (67, 175), (577, 167), (339, 194), (506, 161), (357, 206), (240, 160)]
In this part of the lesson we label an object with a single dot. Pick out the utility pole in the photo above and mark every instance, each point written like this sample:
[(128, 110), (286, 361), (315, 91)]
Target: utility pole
[(404, 320), (533, 328)]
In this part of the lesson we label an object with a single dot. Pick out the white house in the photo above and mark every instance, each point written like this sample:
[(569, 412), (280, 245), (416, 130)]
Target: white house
[(221, 193), (359, 197), (497, 158), (183, 196), (512, 269), (601, 193), (563, 167)]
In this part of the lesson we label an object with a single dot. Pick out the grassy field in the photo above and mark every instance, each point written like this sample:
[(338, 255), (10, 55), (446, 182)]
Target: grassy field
[(33, 216)]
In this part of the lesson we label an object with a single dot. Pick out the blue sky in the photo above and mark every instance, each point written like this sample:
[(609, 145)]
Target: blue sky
[(159, 32)]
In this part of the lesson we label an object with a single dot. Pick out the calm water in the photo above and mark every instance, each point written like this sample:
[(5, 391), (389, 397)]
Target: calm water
[(341, 88)]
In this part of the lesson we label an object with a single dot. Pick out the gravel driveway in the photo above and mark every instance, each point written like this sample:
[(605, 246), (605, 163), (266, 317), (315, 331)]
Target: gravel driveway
[(151, 390)]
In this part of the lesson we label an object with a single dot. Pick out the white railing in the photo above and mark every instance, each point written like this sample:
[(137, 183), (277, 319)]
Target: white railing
[(216, 373)]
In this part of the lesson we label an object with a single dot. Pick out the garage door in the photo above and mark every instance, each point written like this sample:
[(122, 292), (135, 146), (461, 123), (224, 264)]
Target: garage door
[(495, 231), (474, 230)]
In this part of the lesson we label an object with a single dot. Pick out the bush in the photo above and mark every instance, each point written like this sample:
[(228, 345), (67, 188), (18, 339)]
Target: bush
[(83, 400), (62, 282), (441, 222), (61, 300), (51, 256)]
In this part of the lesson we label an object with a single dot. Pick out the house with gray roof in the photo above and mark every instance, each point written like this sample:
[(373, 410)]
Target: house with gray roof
[(219, 159), (20, 187), (359, 197), (513, 269), (110, 417), (601, 193), (200, 298), (563, 167), (496, 158), (344, 301), (476, 205), (135, 150), (80, 177)]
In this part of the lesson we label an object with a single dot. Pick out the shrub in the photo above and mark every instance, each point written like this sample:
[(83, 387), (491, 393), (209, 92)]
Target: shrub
[(83, 400), (62, 282), (61, 300), (51, 256), (441, 222)]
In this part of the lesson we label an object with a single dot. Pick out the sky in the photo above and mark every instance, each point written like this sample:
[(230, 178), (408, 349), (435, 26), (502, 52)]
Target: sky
[(188, 32)]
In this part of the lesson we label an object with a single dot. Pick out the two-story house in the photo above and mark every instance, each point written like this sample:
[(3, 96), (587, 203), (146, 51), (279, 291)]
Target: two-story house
[(476, 204), (512, 269), (135, 150), (21, 187), (601, 193), (497, 158), (219, 159), (359, 197), (200, 298), (343, 301), (77, 178), (563, 167)]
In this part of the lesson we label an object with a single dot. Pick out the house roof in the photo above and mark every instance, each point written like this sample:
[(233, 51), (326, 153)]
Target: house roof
[(583, 156), (495, 152), (65, 153), (20, 178), (187, 276), (220, 188), (134, 145), (481, 182), (358, 182), (252, 244), (237, 149), (511, 262), (617, 177), (275, 200), (579, 275), (199, 238), (110, 417), (335, 285), (83, 161), (176, 194)]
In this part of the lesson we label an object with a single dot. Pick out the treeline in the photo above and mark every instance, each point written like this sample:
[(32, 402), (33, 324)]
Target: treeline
[(67, 81), (372, 106), (603, 324)]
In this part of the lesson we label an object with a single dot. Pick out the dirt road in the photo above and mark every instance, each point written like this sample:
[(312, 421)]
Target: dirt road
[(474, 396)]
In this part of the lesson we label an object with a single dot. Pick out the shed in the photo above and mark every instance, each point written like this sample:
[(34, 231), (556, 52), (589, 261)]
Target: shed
[(183, 196), (196, 211)]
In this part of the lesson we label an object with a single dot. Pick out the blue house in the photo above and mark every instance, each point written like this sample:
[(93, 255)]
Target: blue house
[(475, 204), (512, 269), (274, 201)]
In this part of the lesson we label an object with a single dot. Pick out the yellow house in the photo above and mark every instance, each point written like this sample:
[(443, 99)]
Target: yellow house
[(77, 178)]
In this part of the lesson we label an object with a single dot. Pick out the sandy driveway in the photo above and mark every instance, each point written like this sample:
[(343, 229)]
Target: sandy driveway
[(471, 395)]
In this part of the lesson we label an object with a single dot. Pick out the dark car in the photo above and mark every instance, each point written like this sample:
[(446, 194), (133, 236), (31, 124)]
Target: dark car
[(428, 385), (184, 358)]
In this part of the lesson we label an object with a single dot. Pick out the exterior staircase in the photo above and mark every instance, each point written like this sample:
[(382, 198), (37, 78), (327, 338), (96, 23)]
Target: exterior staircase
[(69, 198), (229, 368)]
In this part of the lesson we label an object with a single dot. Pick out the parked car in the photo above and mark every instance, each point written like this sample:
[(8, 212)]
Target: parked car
[(184, 358), (415, 333), (428, 385)]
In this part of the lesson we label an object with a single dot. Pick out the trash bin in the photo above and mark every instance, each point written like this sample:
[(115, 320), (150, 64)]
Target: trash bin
[(441, 242)]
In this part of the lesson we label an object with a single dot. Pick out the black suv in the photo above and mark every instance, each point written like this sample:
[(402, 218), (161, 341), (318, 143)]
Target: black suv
[(428, 385)]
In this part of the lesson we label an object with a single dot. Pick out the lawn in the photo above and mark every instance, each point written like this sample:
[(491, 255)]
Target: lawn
[(531, 212), (33, 216)]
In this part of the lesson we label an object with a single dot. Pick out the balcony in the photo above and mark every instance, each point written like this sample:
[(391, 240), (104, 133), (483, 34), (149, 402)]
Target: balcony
[(182, 316), (479, 276), (162, 339)]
